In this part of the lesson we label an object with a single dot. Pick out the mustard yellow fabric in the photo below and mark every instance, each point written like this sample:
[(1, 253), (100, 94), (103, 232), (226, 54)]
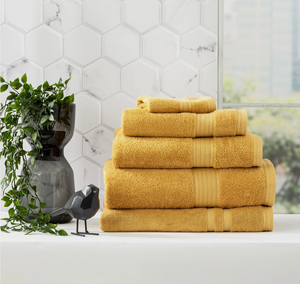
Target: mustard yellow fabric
[(225, 122), (188, 188), (189, 104), (245, 219), (164, 152)]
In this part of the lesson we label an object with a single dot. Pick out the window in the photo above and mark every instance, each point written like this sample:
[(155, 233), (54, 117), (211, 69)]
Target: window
[(259, 70)]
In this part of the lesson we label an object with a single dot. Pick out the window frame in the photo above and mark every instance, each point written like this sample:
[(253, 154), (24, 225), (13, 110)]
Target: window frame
[(220, 102)]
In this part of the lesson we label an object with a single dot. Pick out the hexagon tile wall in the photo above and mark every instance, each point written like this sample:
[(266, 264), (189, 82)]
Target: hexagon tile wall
[(115, 51)]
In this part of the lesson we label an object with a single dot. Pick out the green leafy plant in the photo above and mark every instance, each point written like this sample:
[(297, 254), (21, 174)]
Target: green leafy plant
[(26, 111)]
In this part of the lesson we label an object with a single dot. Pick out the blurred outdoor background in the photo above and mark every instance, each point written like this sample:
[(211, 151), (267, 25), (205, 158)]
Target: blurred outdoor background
[(262, 65)]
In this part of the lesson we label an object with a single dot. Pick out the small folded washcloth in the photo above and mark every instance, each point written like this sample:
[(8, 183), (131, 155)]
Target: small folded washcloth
[(188, 188), (170, 153), (225, 122), (245, 219), (190, 104)]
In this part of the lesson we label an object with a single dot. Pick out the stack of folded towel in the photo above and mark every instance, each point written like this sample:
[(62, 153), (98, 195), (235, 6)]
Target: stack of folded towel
[(183, 166)]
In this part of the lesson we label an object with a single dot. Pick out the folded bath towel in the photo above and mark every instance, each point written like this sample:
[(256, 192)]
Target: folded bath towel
[(245, 219), (188, 188), (191, 104), (218, 152), (225, 122)]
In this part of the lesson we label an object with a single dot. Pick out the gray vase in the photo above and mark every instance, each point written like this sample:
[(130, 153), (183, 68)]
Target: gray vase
[(51, 173)]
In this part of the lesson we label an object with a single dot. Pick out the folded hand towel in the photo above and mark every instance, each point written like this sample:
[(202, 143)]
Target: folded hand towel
[(191, 104), (218, 152), (188, 188), (225, 122), (245, 219)]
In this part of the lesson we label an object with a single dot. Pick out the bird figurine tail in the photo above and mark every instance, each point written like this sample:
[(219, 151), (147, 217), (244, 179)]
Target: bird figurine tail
[(57, 212)]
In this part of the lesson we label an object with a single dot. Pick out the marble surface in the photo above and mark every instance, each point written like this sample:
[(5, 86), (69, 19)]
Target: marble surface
[(114, 51)]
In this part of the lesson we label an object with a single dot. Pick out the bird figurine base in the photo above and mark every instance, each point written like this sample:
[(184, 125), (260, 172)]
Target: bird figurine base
[(82, 234)]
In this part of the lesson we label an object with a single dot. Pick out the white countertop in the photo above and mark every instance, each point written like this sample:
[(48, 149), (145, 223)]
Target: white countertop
[(269, 257), (286, 230)]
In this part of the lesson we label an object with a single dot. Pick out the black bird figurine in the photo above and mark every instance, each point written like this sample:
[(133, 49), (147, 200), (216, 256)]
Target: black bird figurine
[(82, 205)]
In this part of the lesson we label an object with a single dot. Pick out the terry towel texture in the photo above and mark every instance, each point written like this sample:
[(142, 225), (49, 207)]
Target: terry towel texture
[(245, 219), (217, 152), (225, 122), (188, 188), (190, 104)]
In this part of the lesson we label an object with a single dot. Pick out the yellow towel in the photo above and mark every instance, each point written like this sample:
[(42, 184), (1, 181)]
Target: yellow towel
[(188, 188), (245, 219), (190, 104), (225, 122), (218, 152)]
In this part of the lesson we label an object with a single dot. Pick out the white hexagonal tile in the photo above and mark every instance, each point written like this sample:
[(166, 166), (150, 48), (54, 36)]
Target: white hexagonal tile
[(181, 15), (199, 47), (139, 79), (83, 45), (101, 14), (73, 149), (85, 173), (25, 15), (1, 12), (208, 80), (179, 79), (43, 46), (88, 112), (12, 45), (63, 15), (120, 45), (3, 97), (34, 72), (97, 144), (209, 15), (161, 46), (2, 71), (101, 79), (161, 95), (113, 107), (65, 69), (141, 15)]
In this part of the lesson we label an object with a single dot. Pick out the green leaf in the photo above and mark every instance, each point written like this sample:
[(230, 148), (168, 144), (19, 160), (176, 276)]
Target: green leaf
[(46, 85), (2, 80), (5, 198), (3, 88), (23, 153), (11, 212), (32, 206), (47, 218), (43, 204), (32, 161), (51, 118), (68, 100), (34, 135), (24, 78), (12, 97), (51, 104), (41, 214), (34, 188), (3, 230), (8, 203), (67, 81), (62, 233), (39, 144), (33, 153), (28, 129), (16, 202), (44, 118)]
